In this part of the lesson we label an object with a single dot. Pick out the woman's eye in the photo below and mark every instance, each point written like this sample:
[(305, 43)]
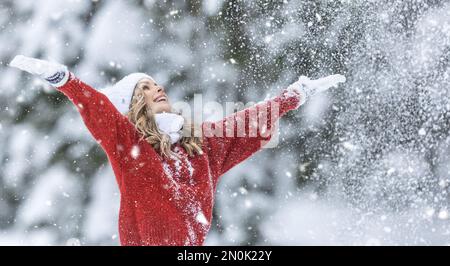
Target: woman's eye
[(145, 87)]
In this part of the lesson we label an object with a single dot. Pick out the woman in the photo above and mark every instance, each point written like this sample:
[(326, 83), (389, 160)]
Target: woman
[(167, 175)]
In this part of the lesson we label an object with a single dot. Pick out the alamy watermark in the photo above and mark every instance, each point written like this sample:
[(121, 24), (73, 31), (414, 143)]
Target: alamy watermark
[(250, 120)]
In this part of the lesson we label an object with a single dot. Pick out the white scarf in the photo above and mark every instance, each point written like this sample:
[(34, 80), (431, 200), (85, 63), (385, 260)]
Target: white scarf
[(170, 124)]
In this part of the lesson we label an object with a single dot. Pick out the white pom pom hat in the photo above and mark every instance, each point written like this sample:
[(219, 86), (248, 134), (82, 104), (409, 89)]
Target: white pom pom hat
[(120, 93)]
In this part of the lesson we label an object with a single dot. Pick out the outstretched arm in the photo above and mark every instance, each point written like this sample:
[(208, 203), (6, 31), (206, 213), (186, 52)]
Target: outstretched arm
[(235, 138), (108, 126)]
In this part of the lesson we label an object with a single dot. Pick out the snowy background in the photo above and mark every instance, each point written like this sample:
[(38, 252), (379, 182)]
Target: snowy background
[(367, 163)]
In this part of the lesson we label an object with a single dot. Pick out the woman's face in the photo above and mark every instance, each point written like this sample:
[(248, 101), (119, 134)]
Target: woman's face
[(155, 96)]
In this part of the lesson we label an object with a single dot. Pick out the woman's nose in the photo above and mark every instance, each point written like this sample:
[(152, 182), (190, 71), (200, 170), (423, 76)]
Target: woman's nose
[(160, 88)]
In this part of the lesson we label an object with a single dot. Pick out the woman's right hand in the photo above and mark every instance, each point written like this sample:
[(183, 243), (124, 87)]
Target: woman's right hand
[(54, 73)]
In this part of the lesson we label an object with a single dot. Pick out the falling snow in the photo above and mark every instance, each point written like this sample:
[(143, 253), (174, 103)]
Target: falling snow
[(366, 163), (201, 218), (135, 151)]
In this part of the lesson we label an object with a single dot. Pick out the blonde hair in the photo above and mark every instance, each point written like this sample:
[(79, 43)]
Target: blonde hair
[(141, 115)]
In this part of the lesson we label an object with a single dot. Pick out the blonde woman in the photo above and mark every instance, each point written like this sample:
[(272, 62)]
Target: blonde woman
[(166, 172)]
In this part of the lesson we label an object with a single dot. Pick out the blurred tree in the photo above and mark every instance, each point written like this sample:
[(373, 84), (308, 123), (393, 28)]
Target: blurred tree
[(378, 143)]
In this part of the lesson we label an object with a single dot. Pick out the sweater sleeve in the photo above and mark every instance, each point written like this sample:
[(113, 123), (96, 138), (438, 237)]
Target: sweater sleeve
[(238, 136), (108, 126)]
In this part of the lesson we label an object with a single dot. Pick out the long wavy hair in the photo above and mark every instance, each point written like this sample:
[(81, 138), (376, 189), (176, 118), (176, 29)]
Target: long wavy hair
[(141, 115)]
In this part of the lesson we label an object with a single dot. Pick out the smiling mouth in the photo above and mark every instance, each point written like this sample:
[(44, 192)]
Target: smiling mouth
[(161, 99)]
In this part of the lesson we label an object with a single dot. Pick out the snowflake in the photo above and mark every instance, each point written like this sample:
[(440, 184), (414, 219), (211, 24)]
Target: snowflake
[(135, 152)]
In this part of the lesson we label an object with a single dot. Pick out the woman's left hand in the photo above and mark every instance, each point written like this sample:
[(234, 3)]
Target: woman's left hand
[(305, 88)]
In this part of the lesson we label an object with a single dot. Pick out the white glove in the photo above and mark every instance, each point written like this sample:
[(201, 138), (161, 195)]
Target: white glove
[(305, 88), (54, 73)]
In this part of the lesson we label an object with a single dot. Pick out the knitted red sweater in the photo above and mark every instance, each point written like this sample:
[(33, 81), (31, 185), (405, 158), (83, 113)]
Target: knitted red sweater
[(168, 201)]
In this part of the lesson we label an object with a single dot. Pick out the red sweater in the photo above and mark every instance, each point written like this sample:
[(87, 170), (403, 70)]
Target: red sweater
[(166, 201)]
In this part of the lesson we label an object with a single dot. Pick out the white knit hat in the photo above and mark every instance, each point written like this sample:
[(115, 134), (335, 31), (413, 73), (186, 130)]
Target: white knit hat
[(120, 93)]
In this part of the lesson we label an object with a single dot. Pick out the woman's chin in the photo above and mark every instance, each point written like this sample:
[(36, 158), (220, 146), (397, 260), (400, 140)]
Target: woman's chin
[(162, 108)]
